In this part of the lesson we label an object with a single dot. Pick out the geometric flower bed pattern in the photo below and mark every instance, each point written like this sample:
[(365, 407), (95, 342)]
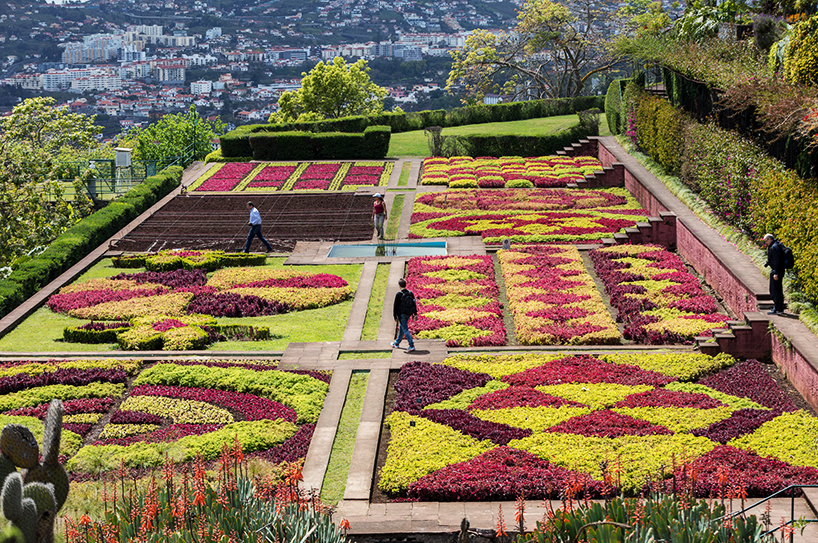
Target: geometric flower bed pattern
[(657, 298), (525, 215), (497, 427), (175, 310), (281, 176), (553, 298), (177, 408), (489, 172), (457, 299)]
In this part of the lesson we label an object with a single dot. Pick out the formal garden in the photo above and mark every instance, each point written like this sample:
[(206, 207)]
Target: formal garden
[(597, 352)]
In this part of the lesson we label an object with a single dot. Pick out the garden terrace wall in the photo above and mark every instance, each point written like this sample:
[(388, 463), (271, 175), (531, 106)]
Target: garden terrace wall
[(709, 259)]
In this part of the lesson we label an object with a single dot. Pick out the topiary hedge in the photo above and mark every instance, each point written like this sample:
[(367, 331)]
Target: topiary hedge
[(372, 143), (511, 145), (613, 105), (236, 143), (70, 247)]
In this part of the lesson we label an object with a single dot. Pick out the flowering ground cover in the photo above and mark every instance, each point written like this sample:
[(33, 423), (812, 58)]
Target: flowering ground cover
[(282, 176), (484, 427), (178, 309), (657, 299), (457, 299), (185, 409), (526, 215), (553, 298), (491, 172)]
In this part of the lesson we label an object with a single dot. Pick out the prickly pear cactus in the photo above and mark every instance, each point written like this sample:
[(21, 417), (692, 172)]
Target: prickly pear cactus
[(18, 444), (33, 506)]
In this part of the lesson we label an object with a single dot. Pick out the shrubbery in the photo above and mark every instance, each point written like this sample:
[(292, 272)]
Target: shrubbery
[(737, 179), (83, 237)]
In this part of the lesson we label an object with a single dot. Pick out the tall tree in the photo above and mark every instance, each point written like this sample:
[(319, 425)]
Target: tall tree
[(175, 135), (554, 49), (34, 206), (329, 91)]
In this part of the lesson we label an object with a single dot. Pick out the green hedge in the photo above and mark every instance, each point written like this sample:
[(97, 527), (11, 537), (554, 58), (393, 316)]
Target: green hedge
[(83, 237), (372, 143), (510, 145), (613, 106), (236, 143), (739, 181)]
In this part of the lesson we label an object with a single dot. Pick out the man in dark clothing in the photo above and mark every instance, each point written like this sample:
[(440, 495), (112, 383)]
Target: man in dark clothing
[(403, 309), (775, 261)]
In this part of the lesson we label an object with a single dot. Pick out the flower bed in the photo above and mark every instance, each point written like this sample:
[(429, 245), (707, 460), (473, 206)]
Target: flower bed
[(457, 299), (283, 176), (483, 427), (525, 215), (181, 410), (553, 298), (175, 310), (490, 172), (658, 300)]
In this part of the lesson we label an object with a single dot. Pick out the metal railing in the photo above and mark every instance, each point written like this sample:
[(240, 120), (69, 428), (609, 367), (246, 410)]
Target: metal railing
[(790, 522)]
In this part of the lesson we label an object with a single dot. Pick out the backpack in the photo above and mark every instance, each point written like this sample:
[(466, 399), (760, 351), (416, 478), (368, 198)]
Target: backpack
[(789, 258), (407, 303)]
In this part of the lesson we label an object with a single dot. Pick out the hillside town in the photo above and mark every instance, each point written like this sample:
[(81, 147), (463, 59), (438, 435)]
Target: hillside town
[(132, 73)]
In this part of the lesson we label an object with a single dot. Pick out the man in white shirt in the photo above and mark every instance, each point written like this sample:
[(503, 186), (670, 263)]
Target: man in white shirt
[(255, 228)]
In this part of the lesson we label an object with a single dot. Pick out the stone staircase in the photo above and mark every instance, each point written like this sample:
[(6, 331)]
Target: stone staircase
[(742, 339), (659, 230), (609, 176)]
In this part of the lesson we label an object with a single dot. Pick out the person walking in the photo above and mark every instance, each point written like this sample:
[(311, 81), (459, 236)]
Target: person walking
[(403, 309), (255, 228), (776, 262), (379, 214)]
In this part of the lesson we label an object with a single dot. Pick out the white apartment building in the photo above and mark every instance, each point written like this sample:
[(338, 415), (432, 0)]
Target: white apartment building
[(201, 87)]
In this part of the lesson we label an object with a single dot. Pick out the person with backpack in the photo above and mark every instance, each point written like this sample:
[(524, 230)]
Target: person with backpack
[(779, 259), (403, 309)]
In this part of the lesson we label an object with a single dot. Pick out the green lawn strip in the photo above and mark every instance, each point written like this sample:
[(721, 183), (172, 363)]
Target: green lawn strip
[(414, 143), (404, 174), (364, 355), (42, 331), (372, 323), (335, 479), (394, 216)]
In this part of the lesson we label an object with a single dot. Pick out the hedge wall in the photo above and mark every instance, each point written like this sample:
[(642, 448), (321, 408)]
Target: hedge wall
[(373, 143), (492, 145), (237, 142), (70, 247), (738, 180)]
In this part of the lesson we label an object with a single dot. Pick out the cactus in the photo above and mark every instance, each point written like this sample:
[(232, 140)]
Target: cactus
[(18, 444), (33, 507)]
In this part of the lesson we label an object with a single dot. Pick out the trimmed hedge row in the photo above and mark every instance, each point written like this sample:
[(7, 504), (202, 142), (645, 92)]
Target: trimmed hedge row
[(70, 247), (739, 181), (492, 145), (236, 143), (372, 143)]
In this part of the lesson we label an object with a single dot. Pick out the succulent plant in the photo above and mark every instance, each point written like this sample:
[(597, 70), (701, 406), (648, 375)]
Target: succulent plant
[(32, 505)]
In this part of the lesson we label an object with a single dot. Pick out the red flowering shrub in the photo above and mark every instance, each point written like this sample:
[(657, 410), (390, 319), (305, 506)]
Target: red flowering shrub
[(669, 398), (607, 423), (586, 369), (519, 397)]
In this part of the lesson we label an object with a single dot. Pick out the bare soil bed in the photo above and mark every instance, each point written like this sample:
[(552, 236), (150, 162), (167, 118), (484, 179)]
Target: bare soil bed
[(220, 222)]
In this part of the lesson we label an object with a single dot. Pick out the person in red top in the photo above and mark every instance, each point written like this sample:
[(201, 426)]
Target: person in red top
[(379, 214)]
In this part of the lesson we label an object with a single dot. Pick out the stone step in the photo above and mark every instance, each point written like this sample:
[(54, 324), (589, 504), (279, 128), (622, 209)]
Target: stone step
[(811, 497)]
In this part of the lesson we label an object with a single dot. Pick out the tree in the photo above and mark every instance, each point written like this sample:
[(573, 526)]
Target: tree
[(330, 91), (34, 206), (176, 135), (553, 51)]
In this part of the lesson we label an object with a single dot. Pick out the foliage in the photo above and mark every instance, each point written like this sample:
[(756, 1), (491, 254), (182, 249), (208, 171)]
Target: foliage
[(331, 91), (175, 134), (801, 53), (657, 518), (684, 366), (34, 207), (554, 50), (185, 506)]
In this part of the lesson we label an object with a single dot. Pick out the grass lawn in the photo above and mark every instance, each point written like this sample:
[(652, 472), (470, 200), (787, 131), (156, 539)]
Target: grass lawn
[(364, 355), (335, 479), (394, 216), (404, 174), (372, 323), (414, 143), (42, 331)]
